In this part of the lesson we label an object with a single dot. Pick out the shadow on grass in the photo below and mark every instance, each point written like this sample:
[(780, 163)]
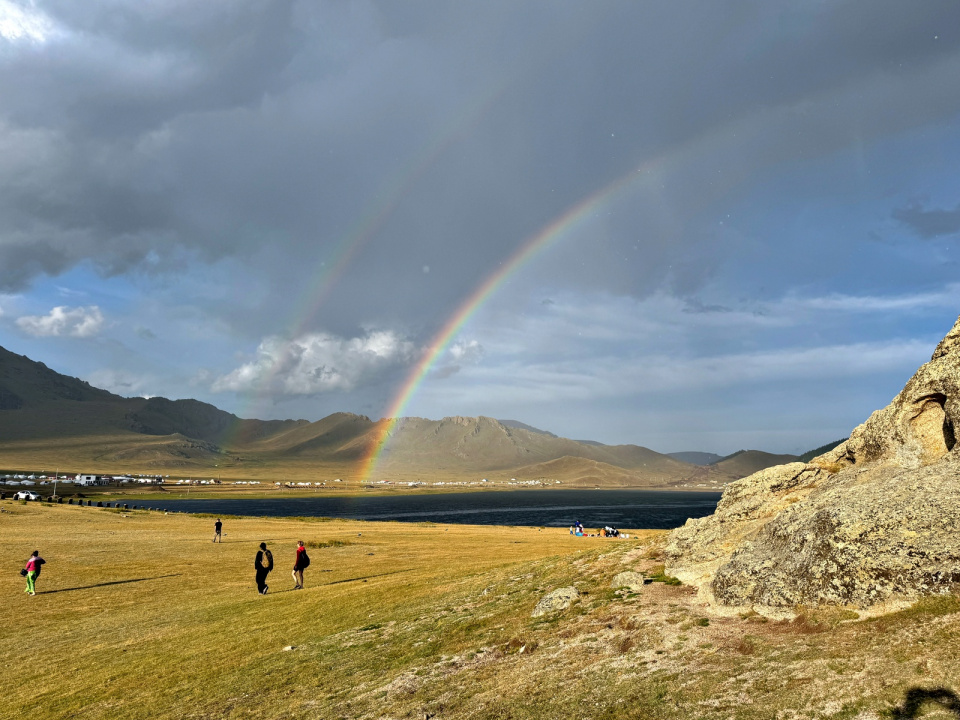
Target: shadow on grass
[(916, 698), (364, 578), (106, 584)]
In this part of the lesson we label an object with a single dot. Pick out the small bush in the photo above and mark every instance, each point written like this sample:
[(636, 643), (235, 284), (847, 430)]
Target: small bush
[(702, 622), (804, 624), (520, 645), (319, 545), (624, 644)]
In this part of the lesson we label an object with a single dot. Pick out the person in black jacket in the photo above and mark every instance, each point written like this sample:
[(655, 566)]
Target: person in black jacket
[(263, 565)]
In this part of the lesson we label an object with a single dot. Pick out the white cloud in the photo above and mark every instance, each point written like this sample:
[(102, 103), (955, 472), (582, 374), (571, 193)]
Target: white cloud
[(466, 350), (71, 293), (614, 377), (591, 325), (64, 321), (460, 353), (594, 347), (317, 363), (871, 303), (779, 366), (20, 23)]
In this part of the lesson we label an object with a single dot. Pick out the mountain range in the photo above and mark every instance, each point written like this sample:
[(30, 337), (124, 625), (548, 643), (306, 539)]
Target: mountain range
[(49, 420)]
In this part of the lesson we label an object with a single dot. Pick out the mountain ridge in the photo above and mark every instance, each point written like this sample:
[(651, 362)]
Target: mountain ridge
[(49, 419)]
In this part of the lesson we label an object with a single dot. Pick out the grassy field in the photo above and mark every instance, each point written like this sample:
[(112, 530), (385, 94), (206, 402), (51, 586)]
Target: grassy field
[(139, 615)]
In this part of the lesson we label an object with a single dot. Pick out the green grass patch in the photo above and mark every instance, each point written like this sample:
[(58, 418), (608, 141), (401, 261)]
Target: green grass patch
[(658, 574)]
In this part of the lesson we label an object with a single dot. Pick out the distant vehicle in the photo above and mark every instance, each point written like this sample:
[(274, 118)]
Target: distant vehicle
[(26, 495)]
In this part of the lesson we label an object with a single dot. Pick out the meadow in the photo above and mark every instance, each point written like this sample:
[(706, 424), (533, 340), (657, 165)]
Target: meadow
[(139, 614)]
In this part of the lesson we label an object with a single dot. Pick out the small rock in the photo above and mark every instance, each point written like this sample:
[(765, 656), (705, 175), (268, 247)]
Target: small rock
[(288, 648), (629, 579), (559, 599)]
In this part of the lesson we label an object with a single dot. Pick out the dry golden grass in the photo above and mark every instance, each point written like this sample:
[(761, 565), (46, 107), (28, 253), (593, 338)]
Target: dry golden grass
[(140, 615), (141, 609)]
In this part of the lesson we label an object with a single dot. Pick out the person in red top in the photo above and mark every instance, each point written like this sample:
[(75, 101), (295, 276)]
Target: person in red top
[(302, 561), (33, 571)]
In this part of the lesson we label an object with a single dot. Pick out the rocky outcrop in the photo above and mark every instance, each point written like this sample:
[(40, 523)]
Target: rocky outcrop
[(875, 519)]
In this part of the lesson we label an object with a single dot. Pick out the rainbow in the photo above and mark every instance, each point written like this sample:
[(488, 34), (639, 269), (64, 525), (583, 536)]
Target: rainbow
[(460, 124), (560, 227), (372, 220)]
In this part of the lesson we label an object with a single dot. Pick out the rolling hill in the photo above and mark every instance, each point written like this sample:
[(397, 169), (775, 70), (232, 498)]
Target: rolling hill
[(746, 462), (49, 420), (696, 458)]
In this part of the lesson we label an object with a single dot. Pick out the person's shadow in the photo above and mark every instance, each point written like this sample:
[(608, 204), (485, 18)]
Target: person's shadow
[(105, 584), (916, 698)]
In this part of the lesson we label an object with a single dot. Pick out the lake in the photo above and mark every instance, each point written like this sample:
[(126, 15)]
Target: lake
[(637, 509)]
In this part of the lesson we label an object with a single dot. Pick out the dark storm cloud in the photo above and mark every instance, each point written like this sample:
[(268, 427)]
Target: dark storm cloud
[(929, 224), (166, 137)]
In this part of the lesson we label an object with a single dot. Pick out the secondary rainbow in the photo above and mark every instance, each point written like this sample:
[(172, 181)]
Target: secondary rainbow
[(370, 223)]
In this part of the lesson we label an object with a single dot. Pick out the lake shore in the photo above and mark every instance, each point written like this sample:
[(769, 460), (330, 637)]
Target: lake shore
[(270, 490)]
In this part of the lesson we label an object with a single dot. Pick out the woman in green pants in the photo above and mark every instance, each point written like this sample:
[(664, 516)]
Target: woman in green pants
[(33, 570)]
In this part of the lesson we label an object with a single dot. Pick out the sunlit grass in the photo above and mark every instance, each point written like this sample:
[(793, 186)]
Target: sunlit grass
[(139, 614)]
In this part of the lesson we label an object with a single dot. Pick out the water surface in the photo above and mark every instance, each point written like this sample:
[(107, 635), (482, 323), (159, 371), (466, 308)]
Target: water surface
[(648, 509)]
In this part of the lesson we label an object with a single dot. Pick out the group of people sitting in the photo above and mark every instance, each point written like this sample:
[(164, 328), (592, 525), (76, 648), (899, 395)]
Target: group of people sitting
[(605, 531)]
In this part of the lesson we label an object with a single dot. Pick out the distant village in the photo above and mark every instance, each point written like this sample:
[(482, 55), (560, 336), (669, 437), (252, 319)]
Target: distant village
[(81, 479), (87, 480)]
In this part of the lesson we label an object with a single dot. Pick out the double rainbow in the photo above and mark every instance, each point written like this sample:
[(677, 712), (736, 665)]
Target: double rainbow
[(561, 227)]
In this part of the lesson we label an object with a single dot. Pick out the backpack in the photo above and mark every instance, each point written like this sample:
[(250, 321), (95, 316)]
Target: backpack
[(304, 560), (269, 556)]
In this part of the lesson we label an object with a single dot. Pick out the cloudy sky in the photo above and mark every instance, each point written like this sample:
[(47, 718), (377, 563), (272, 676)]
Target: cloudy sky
[(741, 219)]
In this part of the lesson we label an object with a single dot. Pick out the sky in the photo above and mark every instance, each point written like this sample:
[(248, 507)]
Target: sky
[(692, 225)]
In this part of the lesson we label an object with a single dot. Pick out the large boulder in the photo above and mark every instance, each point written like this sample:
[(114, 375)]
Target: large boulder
[(875, 519)]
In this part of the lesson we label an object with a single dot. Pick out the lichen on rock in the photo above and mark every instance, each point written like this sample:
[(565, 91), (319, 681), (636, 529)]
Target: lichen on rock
[(873, 520), (628, 579), (559, 599)]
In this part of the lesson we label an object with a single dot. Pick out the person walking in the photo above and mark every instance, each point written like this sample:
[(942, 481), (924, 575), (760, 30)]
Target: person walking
[(33, 572), (263, 565), (299, 565), (217, 526)]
